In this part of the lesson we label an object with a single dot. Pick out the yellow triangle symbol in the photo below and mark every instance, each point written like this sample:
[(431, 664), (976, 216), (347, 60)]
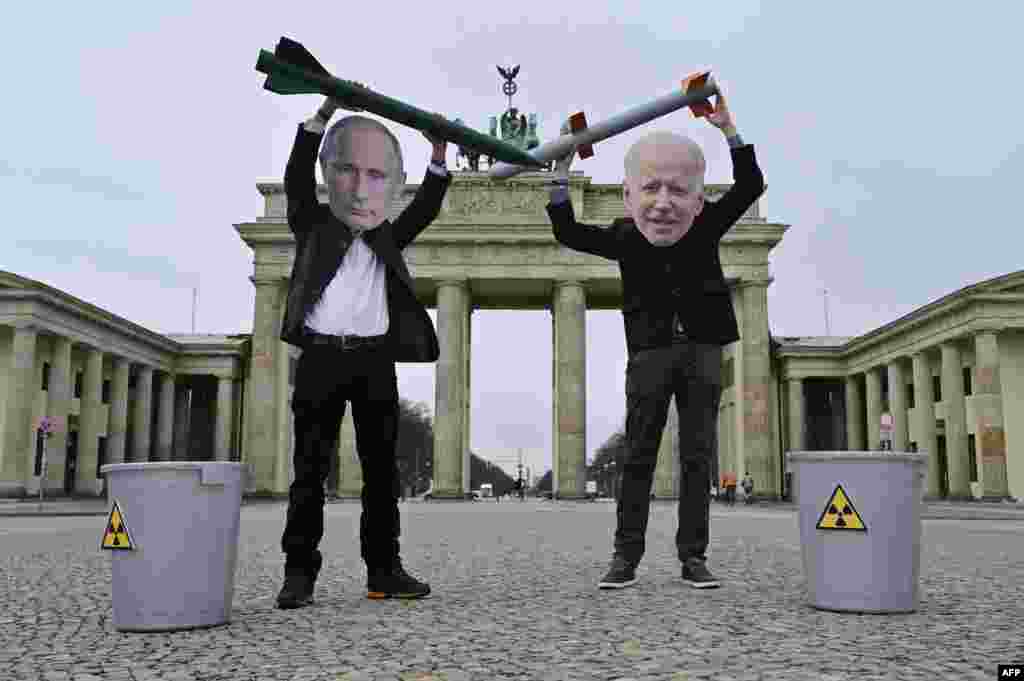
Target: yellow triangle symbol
[(839, 513), (116, 535)]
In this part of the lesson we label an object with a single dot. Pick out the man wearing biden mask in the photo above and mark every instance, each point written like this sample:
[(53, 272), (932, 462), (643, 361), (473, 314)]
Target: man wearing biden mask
[(678, 314)]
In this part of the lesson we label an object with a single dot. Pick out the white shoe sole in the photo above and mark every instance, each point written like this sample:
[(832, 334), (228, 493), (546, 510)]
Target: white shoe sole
[(702, 585), (616, 585)]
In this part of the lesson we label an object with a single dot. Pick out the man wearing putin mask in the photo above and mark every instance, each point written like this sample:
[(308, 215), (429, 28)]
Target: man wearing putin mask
[(352, 310)]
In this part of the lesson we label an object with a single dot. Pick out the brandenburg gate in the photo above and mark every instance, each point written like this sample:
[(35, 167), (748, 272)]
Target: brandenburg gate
[(492, 247)]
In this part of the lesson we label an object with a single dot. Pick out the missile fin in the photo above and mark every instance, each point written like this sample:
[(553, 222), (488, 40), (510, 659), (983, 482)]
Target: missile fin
[(578, 123), (692, 82), (294, 52)]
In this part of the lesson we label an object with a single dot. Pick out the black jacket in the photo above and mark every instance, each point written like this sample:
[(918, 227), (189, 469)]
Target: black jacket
[(321, 241), (685, 278)]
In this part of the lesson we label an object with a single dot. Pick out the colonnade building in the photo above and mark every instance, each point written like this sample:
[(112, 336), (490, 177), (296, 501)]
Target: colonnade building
[(951, 373)]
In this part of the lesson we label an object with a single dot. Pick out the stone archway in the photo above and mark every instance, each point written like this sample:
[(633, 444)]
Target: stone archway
[(492, 248)]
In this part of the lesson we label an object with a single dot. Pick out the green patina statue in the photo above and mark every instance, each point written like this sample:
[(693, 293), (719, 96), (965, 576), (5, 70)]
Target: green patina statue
[(515, 128)]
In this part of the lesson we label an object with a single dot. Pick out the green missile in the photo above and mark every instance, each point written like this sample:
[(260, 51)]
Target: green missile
[(292, 70)]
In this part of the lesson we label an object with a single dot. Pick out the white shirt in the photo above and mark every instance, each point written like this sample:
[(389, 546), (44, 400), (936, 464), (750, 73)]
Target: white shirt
[(355, 301)]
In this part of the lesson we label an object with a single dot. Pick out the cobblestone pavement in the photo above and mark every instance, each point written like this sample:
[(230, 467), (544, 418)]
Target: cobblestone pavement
[(515, 597), (63, 506)]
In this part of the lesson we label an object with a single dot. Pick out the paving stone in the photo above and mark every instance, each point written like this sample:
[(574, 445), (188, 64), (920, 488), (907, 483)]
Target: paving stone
[(515, 598)]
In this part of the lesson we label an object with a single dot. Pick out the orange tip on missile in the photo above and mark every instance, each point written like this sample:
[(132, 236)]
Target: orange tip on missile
[(693, 82), (578, 123)]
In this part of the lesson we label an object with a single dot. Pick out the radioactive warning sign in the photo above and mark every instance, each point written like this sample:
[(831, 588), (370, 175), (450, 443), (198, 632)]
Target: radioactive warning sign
[(116, 536), (839, 513)]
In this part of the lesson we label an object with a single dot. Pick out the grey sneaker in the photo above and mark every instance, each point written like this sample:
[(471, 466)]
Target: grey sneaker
[(697, 575), (620, 574)]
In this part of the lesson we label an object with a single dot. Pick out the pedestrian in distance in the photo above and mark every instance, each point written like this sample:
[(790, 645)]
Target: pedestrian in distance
[(748, 489), (352, 311), (678, 314), (729, 482)]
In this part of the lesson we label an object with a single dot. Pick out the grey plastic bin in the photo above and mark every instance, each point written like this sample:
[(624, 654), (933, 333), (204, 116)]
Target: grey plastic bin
[(870, 570), (183, 519)]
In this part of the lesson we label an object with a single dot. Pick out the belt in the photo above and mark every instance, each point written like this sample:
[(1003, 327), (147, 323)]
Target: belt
[(342, 342), (679, 334), (675, 339)]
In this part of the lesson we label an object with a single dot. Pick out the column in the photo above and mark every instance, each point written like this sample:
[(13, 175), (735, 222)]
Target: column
[(165, 419), (222, 439), (797, 414), (956, 422), (284, 451), (873, 388), (450, 390), (898, 405), (467, 402), (117, 424), (87, 481), (924, 426), (570, 398), (58, 406), (181, 420), (18, 450), (854, 405), (141, 416), (758, 447), (238, 417), (261, 451), (350, 472), (666, 473), (989, 433)]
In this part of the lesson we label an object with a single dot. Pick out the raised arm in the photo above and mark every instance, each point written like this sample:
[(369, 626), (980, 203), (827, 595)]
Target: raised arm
[(575, 235), (748, 182), (300, 175), (425, 206)]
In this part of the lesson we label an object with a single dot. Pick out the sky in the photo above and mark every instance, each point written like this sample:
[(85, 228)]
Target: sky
[(889, 137)]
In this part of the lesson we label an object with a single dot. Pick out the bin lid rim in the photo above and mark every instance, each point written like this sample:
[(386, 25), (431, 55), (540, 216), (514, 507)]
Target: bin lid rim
[(913, 457), (167, 465)]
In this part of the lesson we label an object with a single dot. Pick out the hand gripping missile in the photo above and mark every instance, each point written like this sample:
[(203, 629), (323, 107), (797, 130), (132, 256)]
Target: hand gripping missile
[(694, 93), (291, 70)]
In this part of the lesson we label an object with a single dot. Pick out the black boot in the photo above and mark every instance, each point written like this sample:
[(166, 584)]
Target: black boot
[(394, 582), (299, 579)]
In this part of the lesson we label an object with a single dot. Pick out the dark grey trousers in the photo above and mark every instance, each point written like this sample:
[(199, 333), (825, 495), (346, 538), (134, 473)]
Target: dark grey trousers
[(692, 372)]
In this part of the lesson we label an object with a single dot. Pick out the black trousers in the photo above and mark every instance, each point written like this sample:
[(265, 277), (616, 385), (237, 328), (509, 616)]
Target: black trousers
[(692, 373), (326, 379)]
